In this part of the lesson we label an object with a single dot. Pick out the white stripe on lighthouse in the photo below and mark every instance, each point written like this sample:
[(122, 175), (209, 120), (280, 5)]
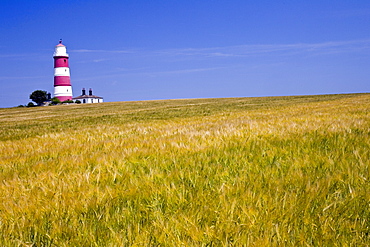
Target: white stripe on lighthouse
[(62, 91), (61, 71)]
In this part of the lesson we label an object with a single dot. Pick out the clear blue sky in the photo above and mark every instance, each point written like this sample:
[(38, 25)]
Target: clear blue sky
[(142, 50)]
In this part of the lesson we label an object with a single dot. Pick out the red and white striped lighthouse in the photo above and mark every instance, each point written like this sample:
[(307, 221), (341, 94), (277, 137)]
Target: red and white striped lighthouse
[(62, 81)]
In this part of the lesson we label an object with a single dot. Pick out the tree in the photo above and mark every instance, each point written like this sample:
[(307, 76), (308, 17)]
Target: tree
[(55, 101), (39, 96), (30, 104)]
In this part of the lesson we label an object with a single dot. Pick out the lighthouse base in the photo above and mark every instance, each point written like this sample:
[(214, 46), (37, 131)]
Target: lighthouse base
[(63, 93), (64, 98)]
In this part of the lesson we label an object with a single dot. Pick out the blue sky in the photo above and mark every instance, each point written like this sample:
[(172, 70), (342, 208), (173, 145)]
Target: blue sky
[(142, 50)]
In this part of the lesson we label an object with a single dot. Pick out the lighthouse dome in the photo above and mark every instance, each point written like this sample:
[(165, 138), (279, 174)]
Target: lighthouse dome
[(60, 50)]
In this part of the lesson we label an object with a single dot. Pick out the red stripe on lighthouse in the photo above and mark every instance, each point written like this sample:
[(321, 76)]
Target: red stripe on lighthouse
[(64, 98), (60, 62), (62, 81)]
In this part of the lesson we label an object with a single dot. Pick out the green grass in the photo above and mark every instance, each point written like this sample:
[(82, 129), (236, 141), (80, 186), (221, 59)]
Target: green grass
[(271, 171)]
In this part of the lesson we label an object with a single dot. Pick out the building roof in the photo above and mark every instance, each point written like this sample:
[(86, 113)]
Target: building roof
[(87, 97)]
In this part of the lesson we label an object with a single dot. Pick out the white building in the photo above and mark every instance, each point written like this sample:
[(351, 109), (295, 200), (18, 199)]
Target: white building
[(88, 98)]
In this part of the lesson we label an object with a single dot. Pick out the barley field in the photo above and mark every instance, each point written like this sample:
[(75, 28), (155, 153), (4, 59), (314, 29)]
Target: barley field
[(270, 171)]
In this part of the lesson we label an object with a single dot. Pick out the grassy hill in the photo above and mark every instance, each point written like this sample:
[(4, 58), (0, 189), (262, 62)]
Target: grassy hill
[(200, 172)]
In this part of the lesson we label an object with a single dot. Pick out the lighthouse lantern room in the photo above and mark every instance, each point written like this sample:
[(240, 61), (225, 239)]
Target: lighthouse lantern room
[(62, 82)]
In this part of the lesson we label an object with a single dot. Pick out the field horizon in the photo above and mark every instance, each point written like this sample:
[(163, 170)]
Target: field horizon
[(256, 171)]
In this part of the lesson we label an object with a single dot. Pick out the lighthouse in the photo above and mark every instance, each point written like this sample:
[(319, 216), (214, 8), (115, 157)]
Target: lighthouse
[(62, 81)]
